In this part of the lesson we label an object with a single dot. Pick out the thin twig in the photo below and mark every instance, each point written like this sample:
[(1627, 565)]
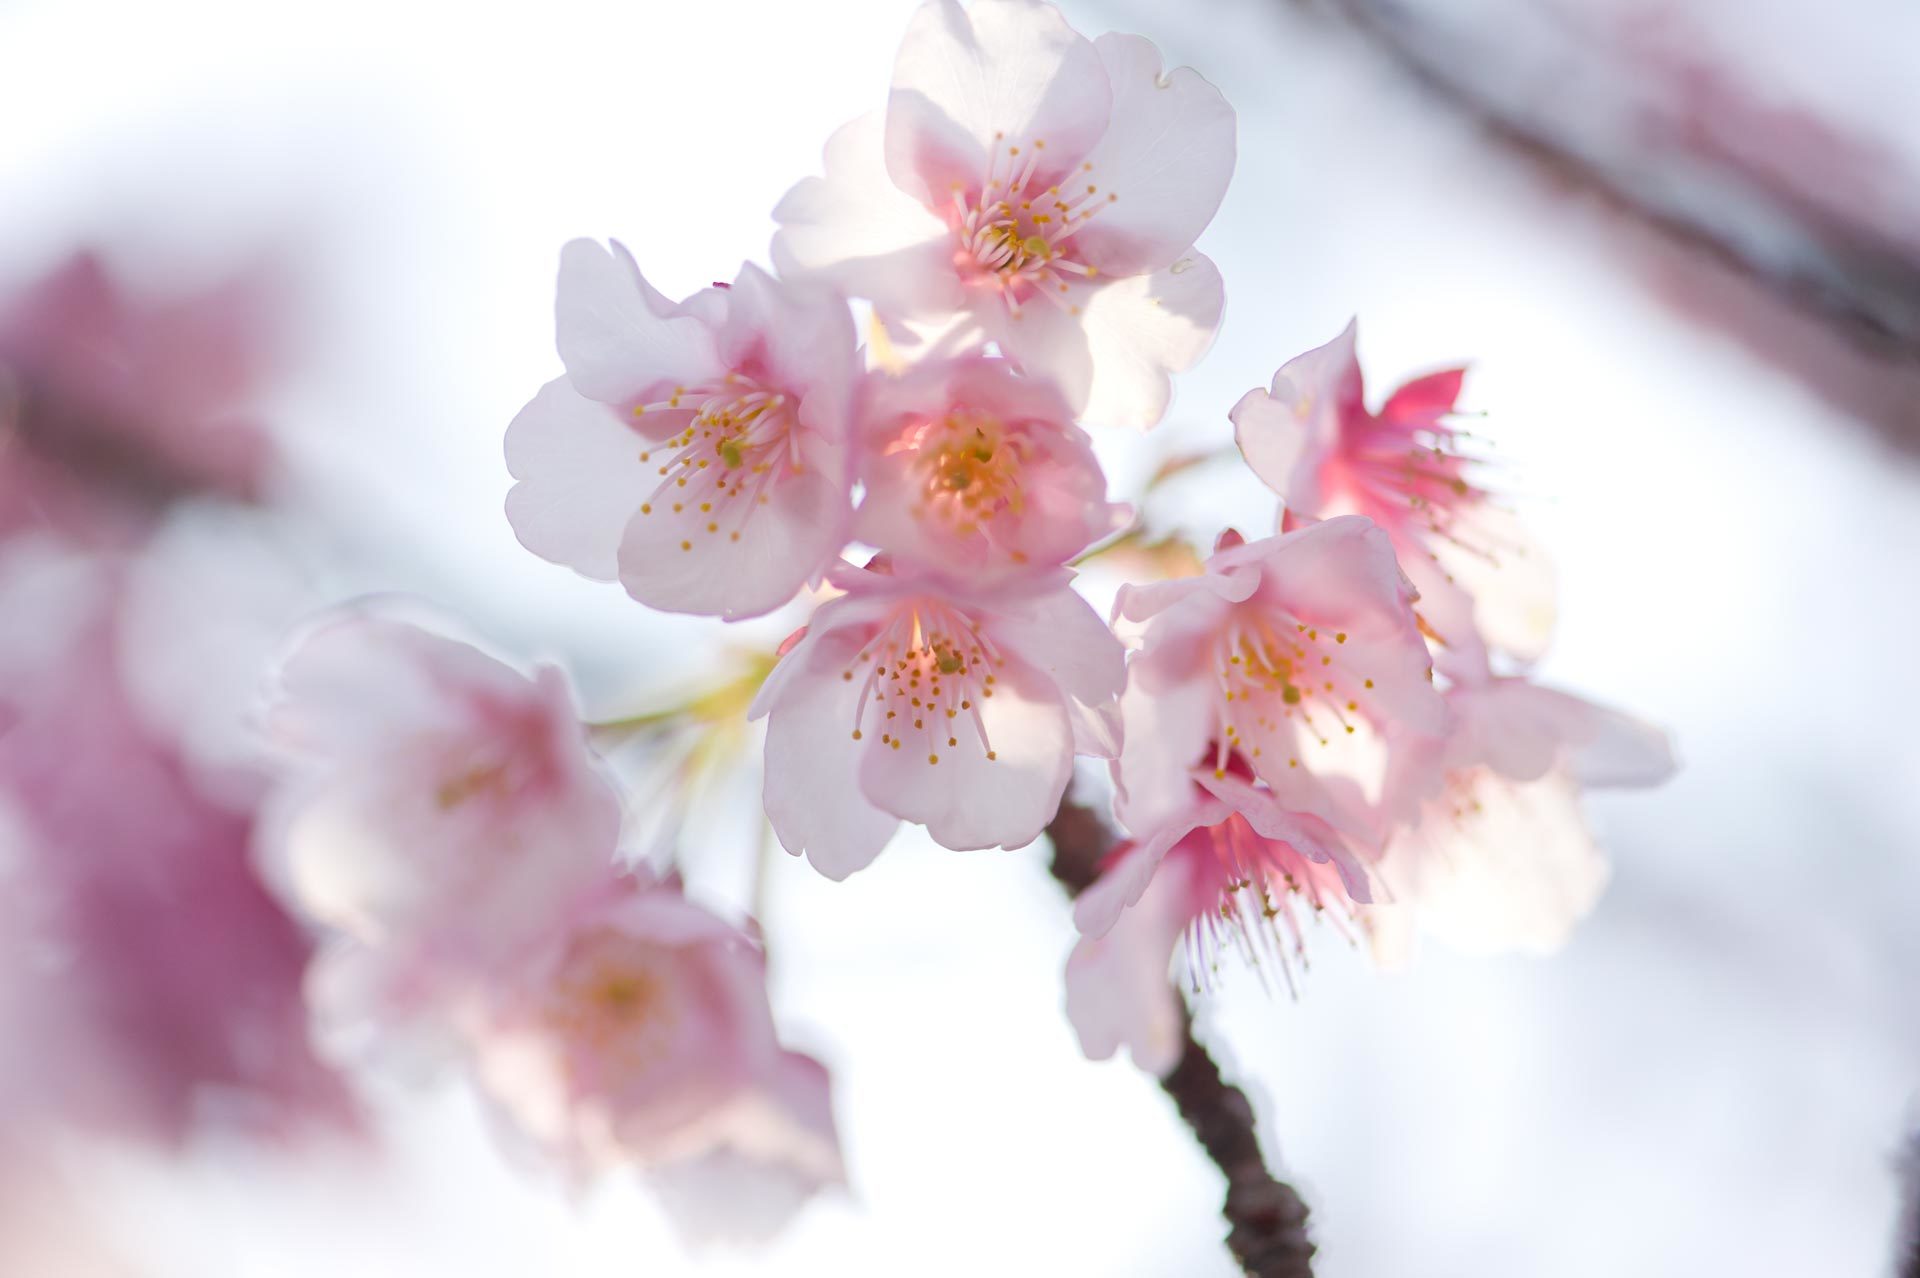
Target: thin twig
[(1267, 1218)]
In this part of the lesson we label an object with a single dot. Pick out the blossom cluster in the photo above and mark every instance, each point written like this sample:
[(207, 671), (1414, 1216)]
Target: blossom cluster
[(442, 814), (1333, 719)]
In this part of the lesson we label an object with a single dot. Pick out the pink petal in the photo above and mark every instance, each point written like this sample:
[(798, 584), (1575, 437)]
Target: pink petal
[(812, 789), (617, 347), (1167, 154), (1288, 432), (995, 74), (688, 560), (1059, 634), (1425, 398), (580, 479), (1514, 870), (966, 800), (1113, 359), (854, 229), (1119, 992)]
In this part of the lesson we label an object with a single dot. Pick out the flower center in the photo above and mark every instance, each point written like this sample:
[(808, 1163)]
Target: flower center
[(928, 671), (1014, 234), (742, 438), (1274, 668), (612, 1002), (1253, 888), (968, 466)]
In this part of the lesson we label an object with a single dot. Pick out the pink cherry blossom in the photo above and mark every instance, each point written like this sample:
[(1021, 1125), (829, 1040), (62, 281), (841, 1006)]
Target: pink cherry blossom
[(1033, 188), (642, 1037), (916, 698), (436, 799), (113, 405), (158, 986), (1494, 852), (1234, 870), (633, 1034), (973, 470), (1280, 650), (695, 451), (1311, 438)]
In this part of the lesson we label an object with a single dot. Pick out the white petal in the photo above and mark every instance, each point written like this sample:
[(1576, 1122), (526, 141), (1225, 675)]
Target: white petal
[(854, 229), (580, 479), (995, 74), (1114, 358), (1167, 156), (616, 347)]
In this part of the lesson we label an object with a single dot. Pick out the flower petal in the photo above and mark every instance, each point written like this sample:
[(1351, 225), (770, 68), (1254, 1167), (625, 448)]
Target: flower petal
[(618, 348), (725, 564), (1287, 432), (854, 229), (812, 788), (1167, 155), (1119, 993), (966, 799), (1113, 359), (580, 479), (995, 74)]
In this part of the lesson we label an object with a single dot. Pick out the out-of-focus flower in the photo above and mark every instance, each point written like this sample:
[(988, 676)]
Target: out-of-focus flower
[(159, 983), (441, 802), (111, 407), (1033, 188), (641, 1037), (1234, 870), (911, 698), (1494, 852), (695, 451), (445, 814), (1311, 438), (1283, 647), (974, 471)]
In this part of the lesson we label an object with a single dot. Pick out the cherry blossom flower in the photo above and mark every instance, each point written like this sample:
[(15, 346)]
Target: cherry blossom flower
[(975, 471), (159, 988), (634, 1033), (1494, 852), (915, 698), (1311, 438), (1280, 650), (642, 1037), (695, 451), (113, 406), (437, 799), (1233, 870), (1033, 188)]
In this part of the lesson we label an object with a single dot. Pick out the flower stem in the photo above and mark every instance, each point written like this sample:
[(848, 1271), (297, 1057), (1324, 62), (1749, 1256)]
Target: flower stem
[(1267, 1218)]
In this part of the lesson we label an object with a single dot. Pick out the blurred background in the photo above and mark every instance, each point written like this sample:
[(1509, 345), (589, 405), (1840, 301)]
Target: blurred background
[(1680, 244)]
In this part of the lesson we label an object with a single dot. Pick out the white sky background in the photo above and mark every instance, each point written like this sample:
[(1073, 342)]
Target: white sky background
[(1709, 1080)]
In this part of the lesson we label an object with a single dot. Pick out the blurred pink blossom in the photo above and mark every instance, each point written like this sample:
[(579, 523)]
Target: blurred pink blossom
[(112, 406), (1492, 850), (1033, 188), (160, 983), (437, 801), (642, 1037)]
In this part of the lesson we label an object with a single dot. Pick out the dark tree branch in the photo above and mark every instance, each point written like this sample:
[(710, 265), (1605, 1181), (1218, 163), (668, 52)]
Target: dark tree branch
[(1907, 1261), (1267, 1219), (1839, 310)]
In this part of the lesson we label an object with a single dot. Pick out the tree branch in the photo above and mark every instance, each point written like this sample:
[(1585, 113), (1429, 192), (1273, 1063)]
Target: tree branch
[(1267, 1218)]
